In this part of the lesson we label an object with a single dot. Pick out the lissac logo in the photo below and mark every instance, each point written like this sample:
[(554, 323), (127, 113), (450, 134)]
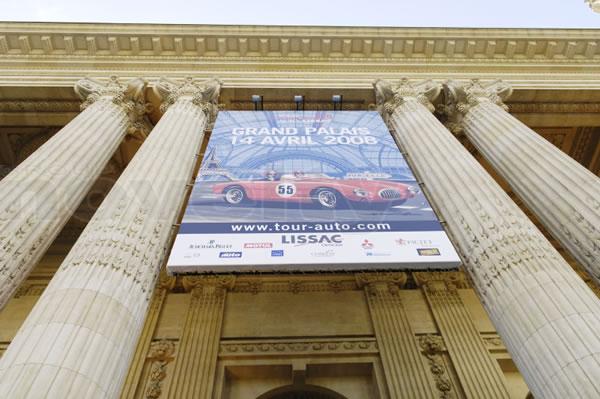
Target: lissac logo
[(304, 239)]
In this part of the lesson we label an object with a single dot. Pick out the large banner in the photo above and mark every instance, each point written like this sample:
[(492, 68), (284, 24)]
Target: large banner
[(306, 190)]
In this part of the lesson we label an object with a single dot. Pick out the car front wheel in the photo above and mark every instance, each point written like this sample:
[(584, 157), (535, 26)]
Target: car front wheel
[(328, 198), (234, 195)]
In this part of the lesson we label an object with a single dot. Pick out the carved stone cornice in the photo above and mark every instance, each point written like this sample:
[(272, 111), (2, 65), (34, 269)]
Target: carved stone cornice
[(225, 282), (130, 97), (553, 108), (296, 56), (392, 280), (213, 41), (295, 347), (204, 94), (389, 96), (18, 105), (441, 280), (460, 98), (295, 283)]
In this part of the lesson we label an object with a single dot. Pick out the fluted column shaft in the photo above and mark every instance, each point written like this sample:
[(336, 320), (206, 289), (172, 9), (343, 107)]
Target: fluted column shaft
[(196, 361), (478, 372), (40, 195), (545, 314), (131, 385), (403, 365), (563, 194), (78, 340)]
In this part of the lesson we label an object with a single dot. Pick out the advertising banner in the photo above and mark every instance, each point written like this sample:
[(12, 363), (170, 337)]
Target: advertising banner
[(306, 190)]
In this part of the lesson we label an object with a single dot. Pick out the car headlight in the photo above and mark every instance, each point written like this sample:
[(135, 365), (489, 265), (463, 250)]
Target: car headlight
[(414, 190), (360, 192)]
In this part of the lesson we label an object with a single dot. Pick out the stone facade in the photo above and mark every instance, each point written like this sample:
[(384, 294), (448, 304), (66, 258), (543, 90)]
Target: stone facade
[(90, 312)]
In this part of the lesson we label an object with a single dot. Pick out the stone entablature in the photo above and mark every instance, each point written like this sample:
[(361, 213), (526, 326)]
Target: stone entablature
[(257, 56)]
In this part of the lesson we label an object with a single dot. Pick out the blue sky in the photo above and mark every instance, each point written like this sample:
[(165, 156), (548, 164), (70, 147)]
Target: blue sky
[(435, 13)]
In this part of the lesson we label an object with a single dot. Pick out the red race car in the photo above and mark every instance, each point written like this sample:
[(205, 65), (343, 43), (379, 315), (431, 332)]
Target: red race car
[(320, 189)]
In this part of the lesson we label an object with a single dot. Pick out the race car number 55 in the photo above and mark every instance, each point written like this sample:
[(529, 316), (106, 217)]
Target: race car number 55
[(285, 190)]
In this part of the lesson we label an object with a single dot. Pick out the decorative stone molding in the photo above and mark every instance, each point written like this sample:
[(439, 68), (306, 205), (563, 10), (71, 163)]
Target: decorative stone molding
[(553, 108), (187, 41), (130, 97), (433, 347), (276, 56), (160, 355), (30, 289), (493, 342), (203, 94), (460, 99), (392, 280), (296, 347), (449, 280), (390, 96), (594, 5), (225, 282), (39, 106), (295, 283)]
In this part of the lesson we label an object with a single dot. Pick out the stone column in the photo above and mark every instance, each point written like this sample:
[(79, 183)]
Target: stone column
[(563, 195), (79, 338), (164, 285), (40, 195), (196, 361), (479, 373), (546, 315), (403, 365)]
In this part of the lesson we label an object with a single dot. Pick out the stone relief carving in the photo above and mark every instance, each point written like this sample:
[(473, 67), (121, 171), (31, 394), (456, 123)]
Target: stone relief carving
[(432, 348), (460, 98), (294, 284), (556, 108), (30, 289), (395, 279), (448, 280), (39, 106), (283, 347), (203, 94), (130, 97), (389, 96), (160, 355), (225, 282)]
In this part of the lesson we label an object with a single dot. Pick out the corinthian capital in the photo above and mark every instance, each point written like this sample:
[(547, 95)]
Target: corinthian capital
[(204, 94), (390, 96), (129, 96), (460, 98)]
